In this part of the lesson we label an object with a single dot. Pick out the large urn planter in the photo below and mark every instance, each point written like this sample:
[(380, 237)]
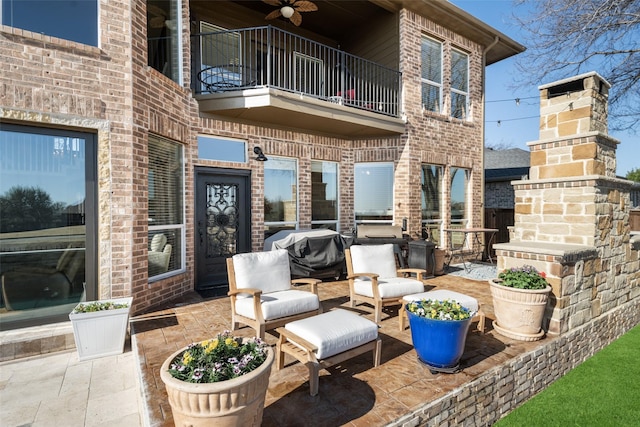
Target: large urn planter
[(439, 343), (100, 327), (233, 402), (519, 312)]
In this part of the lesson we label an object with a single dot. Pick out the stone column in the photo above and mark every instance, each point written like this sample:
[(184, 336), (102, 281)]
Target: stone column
[(572, 214)]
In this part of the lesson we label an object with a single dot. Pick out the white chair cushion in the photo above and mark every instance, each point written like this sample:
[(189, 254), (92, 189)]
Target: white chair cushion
[(279, 304), (466, 301), (378, 259), (334, 332), (268, 271), (389, 288), (157, 242)]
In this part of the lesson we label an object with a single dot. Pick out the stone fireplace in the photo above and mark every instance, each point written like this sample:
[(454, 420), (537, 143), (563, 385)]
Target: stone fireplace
[(572, 214)]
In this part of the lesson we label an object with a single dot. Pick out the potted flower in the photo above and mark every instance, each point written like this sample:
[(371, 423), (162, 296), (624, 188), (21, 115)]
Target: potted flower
[(100, 327), (520, 297), (439, 332), (220, 381)]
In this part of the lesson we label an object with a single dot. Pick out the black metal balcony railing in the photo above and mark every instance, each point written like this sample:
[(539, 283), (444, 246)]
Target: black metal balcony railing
[(269, 57)]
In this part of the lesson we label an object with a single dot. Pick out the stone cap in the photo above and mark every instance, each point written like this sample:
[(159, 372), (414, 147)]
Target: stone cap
[(568, 252), (574, 78)]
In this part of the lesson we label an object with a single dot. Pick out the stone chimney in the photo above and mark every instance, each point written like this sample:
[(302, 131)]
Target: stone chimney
[(570, 111), (573, 106)]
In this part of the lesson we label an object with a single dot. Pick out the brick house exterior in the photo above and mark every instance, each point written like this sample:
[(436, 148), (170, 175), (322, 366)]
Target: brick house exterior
[(112, 92)]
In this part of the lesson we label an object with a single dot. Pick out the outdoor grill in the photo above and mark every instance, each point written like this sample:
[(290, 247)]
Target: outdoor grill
[(368, 234)]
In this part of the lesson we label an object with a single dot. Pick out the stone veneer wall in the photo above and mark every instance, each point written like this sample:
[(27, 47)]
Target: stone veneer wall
[(502, 389)]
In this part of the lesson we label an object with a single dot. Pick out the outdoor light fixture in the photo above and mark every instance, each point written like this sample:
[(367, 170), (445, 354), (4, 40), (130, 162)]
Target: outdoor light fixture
[(261, 157), (286, 11)]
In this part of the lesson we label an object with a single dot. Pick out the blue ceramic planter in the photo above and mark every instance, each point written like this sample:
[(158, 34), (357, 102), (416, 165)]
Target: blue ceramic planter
[(439, 343)]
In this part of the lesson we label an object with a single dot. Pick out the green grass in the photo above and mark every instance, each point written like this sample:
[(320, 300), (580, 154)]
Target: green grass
[(603, 391)]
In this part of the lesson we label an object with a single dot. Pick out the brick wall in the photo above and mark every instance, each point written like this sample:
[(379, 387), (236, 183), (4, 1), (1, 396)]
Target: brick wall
[(498, 391), (111, 90), (432, 138)]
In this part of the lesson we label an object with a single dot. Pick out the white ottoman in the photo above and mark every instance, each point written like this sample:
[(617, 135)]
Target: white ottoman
[(326, 339), (441, 294)]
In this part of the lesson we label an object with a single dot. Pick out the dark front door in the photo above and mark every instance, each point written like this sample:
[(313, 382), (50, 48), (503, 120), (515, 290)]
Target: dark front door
[(223, 225)]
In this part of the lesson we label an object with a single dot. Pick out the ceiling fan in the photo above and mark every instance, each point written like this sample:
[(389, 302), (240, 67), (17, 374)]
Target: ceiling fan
[(290, 9)]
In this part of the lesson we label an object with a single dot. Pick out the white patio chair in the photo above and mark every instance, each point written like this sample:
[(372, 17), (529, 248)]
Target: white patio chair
[(262, 292), (374, 278)]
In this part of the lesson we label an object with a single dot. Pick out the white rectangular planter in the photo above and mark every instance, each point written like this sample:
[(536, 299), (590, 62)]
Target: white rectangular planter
[(101, 333)]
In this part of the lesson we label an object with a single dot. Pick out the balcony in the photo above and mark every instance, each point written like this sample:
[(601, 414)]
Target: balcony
[(274, 77)]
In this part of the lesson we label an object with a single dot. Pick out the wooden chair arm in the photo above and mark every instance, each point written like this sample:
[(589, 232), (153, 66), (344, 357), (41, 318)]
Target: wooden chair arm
[(374, 282), (419, 272), (371, 276), (307, 281), (255, 295), (250, 291)]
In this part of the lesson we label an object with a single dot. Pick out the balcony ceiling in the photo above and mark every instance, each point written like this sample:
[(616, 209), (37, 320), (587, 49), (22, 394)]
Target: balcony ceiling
[(339, 20), (334, 19), (281, 109)]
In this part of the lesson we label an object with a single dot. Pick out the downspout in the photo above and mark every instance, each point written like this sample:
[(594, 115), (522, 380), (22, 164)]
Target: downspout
[(484, 87)]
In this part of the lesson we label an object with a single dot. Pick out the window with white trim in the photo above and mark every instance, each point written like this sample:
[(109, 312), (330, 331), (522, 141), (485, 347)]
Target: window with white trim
[(431, 196), (459, 196), (280, 195), (66, 19), (460, 85), (373, 192), (431, 77), (324, 195), (166, 207), (164, 37)]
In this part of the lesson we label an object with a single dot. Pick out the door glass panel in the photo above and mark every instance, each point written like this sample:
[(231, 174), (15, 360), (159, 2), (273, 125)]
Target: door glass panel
[(222, 220), (221, 59), (43, 240)]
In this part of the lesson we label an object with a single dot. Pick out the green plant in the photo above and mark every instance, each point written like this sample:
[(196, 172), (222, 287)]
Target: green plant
[(93, 306), (439, 310), (525, 277), (218, 359)]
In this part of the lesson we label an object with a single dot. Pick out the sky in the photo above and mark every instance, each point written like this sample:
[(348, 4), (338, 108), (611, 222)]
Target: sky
[(511, 125)]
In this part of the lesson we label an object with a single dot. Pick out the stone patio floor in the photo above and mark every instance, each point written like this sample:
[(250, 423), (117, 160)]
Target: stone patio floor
[(353, 393)]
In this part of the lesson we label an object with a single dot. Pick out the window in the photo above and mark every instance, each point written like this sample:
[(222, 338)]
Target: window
[(47, 223), (324, 195), (459, 184), (431, 205), (227, 150), (431, 75), (166, 207), (280, 195), (309, 72), (164, 37), (459, 85), (373, 192), (66, 19)]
